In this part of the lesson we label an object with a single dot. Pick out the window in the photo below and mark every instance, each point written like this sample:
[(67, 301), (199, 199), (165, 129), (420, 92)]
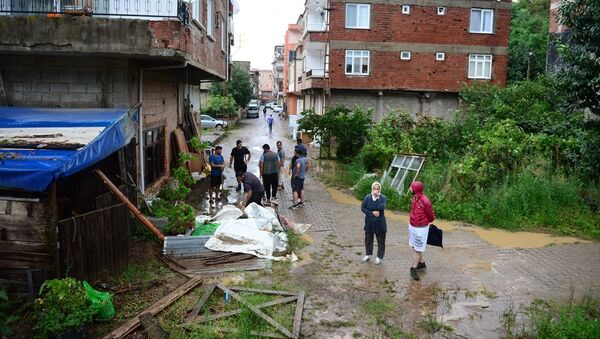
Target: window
[(405, 9), (209, 17), (223, 36), (481, 20), (440, 56), (358, 16), (480, 66), (357, 62), (441, 11), (197, 11), (405, 55)]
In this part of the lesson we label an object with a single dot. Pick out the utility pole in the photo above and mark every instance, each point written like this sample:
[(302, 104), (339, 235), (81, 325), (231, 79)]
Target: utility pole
[(529, 57)]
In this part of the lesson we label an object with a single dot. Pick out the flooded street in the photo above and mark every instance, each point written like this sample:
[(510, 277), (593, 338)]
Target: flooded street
[(478, 276)]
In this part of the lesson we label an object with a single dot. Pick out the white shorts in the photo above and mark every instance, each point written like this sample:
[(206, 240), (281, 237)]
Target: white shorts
[(417, 237)]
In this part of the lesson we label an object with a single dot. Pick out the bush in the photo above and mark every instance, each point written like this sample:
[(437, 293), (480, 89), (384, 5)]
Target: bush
[(573, 320), (219, 104), (62, 306), (7, 314)]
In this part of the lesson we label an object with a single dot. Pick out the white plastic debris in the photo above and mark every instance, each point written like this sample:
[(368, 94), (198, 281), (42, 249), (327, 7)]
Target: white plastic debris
[(228, 212), (258, 212)]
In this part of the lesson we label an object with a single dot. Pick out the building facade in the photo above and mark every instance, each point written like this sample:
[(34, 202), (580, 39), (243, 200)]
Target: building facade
[(290, 90), (265, 83), (102, 55), (278, 61), (408, 55)]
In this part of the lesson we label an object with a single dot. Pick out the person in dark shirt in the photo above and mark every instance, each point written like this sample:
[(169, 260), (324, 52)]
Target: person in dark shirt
[(239, 160), (269, 172), (217, 164), (253, 189)]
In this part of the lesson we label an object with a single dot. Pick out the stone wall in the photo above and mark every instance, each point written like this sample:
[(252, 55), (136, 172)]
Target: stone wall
[(66, 82)]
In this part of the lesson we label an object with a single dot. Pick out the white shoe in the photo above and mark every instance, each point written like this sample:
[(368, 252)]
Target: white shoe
[(365, 258), (377, 261), (274, 201)]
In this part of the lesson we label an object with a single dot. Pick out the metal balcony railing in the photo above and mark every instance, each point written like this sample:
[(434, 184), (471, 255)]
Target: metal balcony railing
[(110, 8), (315, 72)]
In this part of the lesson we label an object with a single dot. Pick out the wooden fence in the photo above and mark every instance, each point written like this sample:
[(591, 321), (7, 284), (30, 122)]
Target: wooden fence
[(95, 246)]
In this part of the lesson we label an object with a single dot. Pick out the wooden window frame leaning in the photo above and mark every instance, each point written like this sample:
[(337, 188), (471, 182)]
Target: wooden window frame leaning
[(193, 319)]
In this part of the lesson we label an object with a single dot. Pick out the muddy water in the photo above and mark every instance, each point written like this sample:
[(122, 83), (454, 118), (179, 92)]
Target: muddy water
[(496, 237)]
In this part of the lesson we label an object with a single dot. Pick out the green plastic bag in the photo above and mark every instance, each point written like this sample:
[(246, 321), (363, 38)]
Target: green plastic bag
[(101, 303)]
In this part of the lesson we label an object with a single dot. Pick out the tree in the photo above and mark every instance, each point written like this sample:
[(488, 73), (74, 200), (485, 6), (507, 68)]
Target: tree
[(581, 52), (239, 87), (528, 34)]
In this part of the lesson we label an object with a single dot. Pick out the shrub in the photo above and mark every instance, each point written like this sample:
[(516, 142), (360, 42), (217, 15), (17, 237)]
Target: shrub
[(62, 306), (219, 104), (7, 314)]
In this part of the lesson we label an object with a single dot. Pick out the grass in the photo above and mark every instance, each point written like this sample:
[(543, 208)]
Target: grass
[(242, 324), (379, 308)]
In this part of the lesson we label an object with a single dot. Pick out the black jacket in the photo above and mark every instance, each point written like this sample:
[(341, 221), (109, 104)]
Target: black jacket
[(374, 224)]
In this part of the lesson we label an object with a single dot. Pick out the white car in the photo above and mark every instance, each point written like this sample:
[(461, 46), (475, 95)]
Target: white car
[(209, 122), (270, 104), (277, 109)]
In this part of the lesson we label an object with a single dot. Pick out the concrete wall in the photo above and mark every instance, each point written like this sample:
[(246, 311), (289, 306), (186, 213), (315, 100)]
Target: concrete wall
[(439, 105), (38, 81)]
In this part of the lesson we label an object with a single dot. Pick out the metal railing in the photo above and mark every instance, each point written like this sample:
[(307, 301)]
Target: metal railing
[(315, 72), (110, 8)]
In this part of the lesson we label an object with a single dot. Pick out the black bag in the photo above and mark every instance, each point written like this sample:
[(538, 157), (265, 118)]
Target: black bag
[(435, 236)]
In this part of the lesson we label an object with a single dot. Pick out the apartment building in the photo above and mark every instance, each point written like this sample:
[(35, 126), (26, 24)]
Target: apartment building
[(277, 63), (292, 36), (413, 55), (265, 84)]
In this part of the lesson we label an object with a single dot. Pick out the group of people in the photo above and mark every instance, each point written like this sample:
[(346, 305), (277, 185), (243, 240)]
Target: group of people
[(421, 217), (271, 168)]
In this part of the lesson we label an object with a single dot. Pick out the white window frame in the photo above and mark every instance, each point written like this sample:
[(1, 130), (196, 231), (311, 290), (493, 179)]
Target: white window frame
[(477, 66), (481, 25), (223, 35), (197, 11), (405, 55), (441, 10), (440, 56), (360, 54), (405, 9), (358, 8), (209, 18)]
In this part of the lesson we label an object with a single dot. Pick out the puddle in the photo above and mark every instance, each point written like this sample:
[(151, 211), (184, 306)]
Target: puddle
[(496, 237)]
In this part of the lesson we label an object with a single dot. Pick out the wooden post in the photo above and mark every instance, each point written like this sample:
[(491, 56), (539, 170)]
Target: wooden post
[(129, 205)]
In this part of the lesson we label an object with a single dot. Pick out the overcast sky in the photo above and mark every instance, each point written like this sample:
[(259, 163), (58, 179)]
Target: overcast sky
[(259, 26)]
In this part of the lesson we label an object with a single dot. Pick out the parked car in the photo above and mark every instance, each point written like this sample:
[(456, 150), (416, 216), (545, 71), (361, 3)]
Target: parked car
[(252, 111), (277, 109), (209, 122), (270, 104)]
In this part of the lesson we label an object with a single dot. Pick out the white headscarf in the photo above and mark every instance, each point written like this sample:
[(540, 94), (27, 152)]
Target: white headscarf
[(372, 186)]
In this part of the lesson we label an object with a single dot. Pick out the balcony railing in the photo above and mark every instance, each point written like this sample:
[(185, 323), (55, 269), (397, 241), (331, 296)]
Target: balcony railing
[(315, 72), (315, 27), (111, 8)]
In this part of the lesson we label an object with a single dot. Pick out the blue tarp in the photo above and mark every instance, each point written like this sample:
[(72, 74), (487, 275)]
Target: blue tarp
[(35, 169)]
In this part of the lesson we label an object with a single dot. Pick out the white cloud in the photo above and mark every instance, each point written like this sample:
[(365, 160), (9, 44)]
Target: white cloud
[(259, 26)]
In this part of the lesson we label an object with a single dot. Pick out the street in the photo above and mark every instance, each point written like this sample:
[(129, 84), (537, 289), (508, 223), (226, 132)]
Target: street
[(469, 285)]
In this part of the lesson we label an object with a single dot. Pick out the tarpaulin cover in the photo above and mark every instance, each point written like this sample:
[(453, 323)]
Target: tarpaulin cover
[(34, 169)]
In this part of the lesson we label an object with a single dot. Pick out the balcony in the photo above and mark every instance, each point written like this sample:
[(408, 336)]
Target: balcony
[(156, 9), (316, 73)]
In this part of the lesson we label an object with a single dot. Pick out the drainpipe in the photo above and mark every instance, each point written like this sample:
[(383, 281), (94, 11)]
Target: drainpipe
[(141, 117)]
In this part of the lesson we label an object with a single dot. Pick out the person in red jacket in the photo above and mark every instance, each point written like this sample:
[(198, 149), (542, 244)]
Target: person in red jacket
[(421, 216)]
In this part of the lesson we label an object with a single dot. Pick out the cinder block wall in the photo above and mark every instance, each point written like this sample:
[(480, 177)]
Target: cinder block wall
[(65, 82)]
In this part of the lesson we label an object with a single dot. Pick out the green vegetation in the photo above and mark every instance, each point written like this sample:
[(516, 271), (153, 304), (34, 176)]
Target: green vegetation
[(62, 306), (528, 39), (547, 319), (514, 158), (220, 104), (580, 75), (171, 201), (7, 314), (238, 88)]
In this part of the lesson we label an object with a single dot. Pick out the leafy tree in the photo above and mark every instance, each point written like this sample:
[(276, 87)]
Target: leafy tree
[(219, 104), (239, 87), (528, 34), (581, 52)]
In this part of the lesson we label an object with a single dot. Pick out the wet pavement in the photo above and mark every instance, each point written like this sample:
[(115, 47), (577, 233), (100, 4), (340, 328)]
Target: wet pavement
[(469, 284)]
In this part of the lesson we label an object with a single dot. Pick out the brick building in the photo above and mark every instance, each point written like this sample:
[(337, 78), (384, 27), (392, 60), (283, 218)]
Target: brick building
[(265, 84), (97, 54), (559, 34), (409, 55)]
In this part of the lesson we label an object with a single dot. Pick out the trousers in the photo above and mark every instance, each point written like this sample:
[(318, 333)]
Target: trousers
[(380, 244)]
